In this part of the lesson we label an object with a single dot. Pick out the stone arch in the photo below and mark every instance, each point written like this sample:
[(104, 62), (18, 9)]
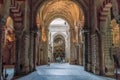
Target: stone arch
[(59, 36), (81, 5), (60, 16), (9, 42), (60, 49), (67, 44), (62, 36), (59, 33)]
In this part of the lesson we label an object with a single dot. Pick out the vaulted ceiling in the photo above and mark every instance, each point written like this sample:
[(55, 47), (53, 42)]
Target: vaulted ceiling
[(61, 8)]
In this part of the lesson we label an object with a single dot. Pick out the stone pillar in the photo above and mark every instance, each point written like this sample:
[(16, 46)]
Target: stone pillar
[(31, 51), (0, 52), (40, 53), (2, 23), (102, 37), (18, 63), (45, 52), (93, 26), (22, 51), (78, 55), (38, 44), (86, 55), (26, 39), (46, 45), (94, 39), (95, 56), (26, 55), (37, 50), (80, 44), (108, 67), (71, 46), (88, 51), (75, 54), (80, 59)]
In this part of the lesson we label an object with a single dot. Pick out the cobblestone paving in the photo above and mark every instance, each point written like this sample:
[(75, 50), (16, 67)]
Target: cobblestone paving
[(65, 71)]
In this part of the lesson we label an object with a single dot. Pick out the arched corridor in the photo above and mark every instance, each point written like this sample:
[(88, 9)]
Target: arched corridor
[(76, 33), (56, 10)]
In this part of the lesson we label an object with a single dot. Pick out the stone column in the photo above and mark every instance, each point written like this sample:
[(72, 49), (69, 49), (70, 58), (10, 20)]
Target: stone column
[(31, 51), (39, 47), (109, 67), (71, 46), (37, 50), (45, 52), (75, 53), (77, 47), (21, 53), (93, 26), (2, 23), (102, 37), (18, 63), (26, 38), (40, 54), (88, 50), (78, 56), (95, 56), (46, 45), (81, 54), (80, 45), (107, 62), (0, 52), (86, 64), (26, 55)]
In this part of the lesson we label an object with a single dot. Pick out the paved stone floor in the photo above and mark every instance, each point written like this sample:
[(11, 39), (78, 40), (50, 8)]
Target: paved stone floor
[(65, 71)]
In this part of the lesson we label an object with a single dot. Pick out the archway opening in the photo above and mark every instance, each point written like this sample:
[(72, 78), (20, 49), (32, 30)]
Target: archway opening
[(116, 39), (8, 55), (9, 43), (59, 40), (70, 12), (58, 49)]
